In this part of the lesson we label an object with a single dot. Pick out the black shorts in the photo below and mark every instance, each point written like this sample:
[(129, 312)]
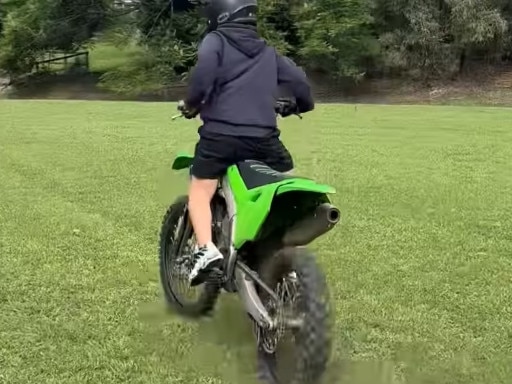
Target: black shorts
[(215, 153)]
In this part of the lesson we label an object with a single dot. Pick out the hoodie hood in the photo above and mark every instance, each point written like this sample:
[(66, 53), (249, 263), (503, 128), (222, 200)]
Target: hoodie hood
[(242, 37)]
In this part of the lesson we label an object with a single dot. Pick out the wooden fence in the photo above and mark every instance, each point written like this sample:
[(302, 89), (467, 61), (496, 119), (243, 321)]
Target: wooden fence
[(63, 60)]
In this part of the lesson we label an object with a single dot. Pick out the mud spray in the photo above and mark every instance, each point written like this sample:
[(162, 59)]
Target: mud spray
[(222, 349)]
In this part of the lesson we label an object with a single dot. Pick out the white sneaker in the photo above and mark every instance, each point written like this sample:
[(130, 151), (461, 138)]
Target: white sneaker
[(204, 259)]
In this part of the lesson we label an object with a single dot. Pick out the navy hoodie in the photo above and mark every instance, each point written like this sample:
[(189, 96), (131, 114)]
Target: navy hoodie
[(235, 83)]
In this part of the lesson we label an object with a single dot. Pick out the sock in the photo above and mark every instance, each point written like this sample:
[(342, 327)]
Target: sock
[(210, 246)]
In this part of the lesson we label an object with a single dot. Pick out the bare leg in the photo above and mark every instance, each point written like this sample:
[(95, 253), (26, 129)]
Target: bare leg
[(200, 194), (206, 255)]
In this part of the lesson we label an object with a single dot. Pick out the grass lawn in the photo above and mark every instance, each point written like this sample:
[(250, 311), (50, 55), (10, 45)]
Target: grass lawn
[(105, 56), (420, 270)]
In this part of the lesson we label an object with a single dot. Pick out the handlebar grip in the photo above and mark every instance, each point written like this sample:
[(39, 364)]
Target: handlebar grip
[(286, 107)]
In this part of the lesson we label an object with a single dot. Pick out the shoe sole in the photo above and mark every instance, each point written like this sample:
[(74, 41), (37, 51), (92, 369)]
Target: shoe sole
[(203, 274)]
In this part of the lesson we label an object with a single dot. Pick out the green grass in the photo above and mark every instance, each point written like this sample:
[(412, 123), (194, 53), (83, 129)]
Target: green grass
[(420, 271), (105, 56)]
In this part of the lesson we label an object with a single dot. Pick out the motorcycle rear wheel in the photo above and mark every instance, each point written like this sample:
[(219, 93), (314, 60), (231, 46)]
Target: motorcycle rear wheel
[(294, 275)]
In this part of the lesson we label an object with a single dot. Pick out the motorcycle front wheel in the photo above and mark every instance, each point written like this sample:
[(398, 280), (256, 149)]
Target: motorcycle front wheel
[(175, 250)]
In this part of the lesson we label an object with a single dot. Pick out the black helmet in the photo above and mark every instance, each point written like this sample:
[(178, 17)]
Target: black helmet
[(218, 12)]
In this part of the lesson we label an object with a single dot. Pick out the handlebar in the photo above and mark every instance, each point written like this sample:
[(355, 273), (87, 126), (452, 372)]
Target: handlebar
[(284, 107)]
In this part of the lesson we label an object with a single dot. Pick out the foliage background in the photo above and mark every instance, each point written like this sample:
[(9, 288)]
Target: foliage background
[(418, 39)]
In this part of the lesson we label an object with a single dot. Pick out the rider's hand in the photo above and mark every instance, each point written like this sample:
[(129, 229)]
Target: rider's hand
[(188, 113), (287, 108)]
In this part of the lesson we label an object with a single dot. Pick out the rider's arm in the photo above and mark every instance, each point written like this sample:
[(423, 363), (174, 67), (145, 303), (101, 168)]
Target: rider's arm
[(204, 73), (294, 78)]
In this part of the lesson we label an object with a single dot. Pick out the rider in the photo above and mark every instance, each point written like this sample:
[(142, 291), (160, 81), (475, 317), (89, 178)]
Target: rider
[(233, 86)]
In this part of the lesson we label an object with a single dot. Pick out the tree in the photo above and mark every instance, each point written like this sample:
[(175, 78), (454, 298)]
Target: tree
[(436, 37), (33, 27), (419, 38), (337, 36)]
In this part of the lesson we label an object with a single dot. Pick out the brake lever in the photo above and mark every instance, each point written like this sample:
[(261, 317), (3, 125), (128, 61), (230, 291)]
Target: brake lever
[(294, 114)]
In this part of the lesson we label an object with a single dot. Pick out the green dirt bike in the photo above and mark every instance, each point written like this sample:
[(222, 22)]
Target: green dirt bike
[(262, 219)]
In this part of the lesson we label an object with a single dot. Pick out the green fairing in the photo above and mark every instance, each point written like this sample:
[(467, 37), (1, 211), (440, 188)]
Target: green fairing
[(182, 161), (253, 205)]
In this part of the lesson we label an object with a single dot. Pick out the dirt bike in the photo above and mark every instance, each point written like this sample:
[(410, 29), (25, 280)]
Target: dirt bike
[(262, 219)]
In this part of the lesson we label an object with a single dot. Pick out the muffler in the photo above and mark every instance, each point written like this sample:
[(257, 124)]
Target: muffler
[(323, 219)]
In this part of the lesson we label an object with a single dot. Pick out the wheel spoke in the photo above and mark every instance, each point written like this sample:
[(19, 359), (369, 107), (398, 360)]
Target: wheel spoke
[(285, 312), (179, 252), (177, 243)]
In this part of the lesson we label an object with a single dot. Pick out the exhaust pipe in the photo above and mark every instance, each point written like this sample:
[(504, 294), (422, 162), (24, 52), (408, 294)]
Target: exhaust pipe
[(323, 219)]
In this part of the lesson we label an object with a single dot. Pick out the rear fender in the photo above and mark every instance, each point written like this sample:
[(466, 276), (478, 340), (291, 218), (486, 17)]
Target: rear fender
[(254, 205), (304, 185)]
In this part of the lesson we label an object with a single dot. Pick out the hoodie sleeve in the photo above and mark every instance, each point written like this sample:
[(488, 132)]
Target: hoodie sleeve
[(204, 74), (294, 78)]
